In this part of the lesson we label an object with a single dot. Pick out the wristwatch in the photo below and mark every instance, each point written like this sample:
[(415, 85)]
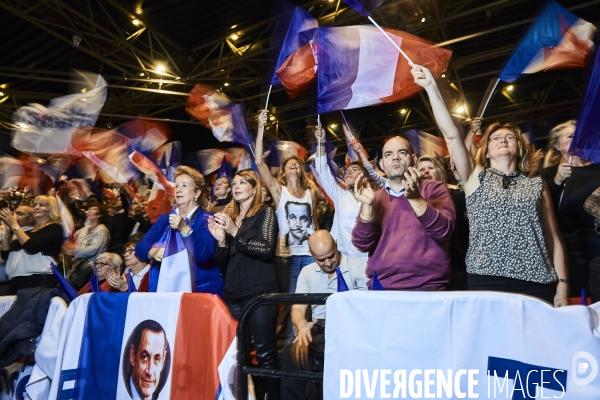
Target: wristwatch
[(563, 280)]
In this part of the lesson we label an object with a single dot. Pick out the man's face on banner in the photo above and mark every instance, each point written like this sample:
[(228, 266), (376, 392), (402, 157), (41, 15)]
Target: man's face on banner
[(147, 362), (299, 220)]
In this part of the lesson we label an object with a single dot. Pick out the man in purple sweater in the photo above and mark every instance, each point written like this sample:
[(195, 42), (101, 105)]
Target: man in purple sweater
[(405, 227)]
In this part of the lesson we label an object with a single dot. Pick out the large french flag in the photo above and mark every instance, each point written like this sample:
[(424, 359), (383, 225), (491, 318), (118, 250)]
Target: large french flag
[(145, 345), (175, 271), (359, 67), (557, 40)]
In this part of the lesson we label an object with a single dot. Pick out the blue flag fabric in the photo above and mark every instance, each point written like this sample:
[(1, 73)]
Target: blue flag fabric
[(586, 141), (364, 7), (375, 284), (64, 284), (153, 278), (341, 283), (130, 285), (224, 171), (94, 283), (293, 37), (104, 326), (548, 31)]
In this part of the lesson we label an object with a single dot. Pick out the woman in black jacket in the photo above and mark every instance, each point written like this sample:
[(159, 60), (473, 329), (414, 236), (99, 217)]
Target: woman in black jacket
[(246, 244)]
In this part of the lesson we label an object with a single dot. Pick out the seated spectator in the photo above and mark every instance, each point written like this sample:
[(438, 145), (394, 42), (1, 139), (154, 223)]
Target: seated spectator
[(104, 264), (306, 353), (406, 227), (133, 266)]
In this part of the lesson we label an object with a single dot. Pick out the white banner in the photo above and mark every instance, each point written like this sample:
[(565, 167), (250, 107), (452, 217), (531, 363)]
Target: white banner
[(451, 345)]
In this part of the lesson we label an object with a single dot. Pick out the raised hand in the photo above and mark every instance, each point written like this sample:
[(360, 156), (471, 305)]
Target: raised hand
[(422, 76), (176, 222), (226, 222), (411, 183), (319, 133), (363, 191), (262, 118), (116, 280), (564, 171)]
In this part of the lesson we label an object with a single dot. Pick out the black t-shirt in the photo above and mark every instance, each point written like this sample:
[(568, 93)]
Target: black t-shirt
[(577, 188)]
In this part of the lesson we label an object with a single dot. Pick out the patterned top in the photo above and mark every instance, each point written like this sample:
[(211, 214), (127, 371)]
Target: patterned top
[(506, 237)]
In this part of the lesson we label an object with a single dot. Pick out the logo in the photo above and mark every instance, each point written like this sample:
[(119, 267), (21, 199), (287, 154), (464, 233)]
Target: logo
[(585, 368)]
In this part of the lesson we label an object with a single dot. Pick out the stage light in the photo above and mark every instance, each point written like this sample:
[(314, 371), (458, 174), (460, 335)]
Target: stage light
[(443, 75), (160, 68), (509, 88), (423, 19), (142, 74), (234, 36), (403, 111), (333, 126), (226, 84), (136, 22), (272, 118), (460, 109), (83, 90), (1, 94)]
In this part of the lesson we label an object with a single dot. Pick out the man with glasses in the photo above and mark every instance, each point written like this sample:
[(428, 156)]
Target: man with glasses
[(307, 351)]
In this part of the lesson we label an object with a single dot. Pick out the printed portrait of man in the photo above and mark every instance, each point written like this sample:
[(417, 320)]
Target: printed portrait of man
[(146, 361), (300, 222)]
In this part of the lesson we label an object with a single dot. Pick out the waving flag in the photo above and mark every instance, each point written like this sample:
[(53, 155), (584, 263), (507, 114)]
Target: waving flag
[(586, 141), (64, 283), (39, 129), (168, 158), (146, 136), (358, 66), (224, 170), (151, 170), (365, 7), (281, 149), (426, 144), (557, 40), (247, 162), (105, 336), (216, 111), (175, 272), (206, 161), (296, 64)]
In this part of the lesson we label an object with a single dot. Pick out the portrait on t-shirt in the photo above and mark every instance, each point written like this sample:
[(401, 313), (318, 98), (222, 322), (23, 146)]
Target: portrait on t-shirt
[(300, 223)]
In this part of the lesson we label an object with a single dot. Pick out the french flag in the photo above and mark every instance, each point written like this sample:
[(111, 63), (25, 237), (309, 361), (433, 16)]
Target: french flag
[(151, 170), (557, 40), (145, 345), (281, 149), (426, 144), (359, 67), (175, 271)]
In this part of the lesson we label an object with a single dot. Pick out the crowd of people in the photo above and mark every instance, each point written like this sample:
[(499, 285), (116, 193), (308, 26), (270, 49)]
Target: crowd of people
[(491, 216)]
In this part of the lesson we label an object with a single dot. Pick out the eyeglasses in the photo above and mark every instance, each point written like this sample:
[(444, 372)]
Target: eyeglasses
[(128, 251), (508, 138), (100, 264)]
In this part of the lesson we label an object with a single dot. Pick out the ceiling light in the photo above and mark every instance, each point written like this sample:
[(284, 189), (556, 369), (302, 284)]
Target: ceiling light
[(136, 22), (142, 74), (333, 126), (1, 94), (423, 19), (510, 88), (160, 68), (403, 111), (233, 26), (443, 75), (460, 109), (226, 84), (83, 90), (234, 36), (272, 118)]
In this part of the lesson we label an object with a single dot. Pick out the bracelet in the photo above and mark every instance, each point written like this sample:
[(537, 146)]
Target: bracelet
[(366, 220), (563, 280), (15, 229), (187, 234)]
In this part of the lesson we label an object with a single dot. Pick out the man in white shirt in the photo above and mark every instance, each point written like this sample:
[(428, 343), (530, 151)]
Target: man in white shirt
[(307, 351)]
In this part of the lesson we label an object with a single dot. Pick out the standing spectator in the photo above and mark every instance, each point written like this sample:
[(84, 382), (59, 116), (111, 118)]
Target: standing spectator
[(222, 194), (514, 242)]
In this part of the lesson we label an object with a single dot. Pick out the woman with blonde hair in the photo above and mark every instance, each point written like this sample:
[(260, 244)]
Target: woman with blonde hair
[(28, 254), (191, 222), (571, 180), (514, 242), (246, 245)]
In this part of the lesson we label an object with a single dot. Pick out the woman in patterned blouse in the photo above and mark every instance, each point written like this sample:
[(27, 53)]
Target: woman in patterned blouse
[(514, 242)]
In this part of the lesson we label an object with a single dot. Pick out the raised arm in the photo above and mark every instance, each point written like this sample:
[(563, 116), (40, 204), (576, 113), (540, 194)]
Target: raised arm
[(360, 150), (263, 169), (464, 161)]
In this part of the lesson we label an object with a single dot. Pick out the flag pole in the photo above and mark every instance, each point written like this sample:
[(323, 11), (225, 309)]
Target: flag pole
[(262, 130), (319, 143), (487, 96), (412, 64)]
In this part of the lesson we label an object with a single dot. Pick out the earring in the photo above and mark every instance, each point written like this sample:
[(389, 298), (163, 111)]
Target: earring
[(195, 199)]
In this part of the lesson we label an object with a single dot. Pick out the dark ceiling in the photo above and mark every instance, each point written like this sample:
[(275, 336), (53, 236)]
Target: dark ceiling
[(193, 40)]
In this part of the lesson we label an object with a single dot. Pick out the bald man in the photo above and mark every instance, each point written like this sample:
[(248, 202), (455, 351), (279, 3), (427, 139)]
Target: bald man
[(406, 227), (318, 277)]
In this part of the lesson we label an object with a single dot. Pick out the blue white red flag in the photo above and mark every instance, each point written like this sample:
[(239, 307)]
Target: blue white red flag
[(359, 67), (39, 129), (175, 270), (217, 112), (247, 162), (364, 7), (586, 141), (426, 144), (557, 40), (64, 283), (281, 149), (224, 170), (151, 170), (108, 340), (146, 136), (168, 158), (206, 161)]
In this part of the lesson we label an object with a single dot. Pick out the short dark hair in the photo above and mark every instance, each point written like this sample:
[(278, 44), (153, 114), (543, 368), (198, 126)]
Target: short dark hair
[(295, 203), (134, 340), (134, 239)]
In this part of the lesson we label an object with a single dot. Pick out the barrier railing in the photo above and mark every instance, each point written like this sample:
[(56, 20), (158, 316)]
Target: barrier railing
[(243, 340)]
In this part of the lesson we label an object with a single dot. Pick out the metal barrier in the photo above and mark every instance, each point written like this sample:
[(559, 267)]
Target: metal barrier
[(243, 340)]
